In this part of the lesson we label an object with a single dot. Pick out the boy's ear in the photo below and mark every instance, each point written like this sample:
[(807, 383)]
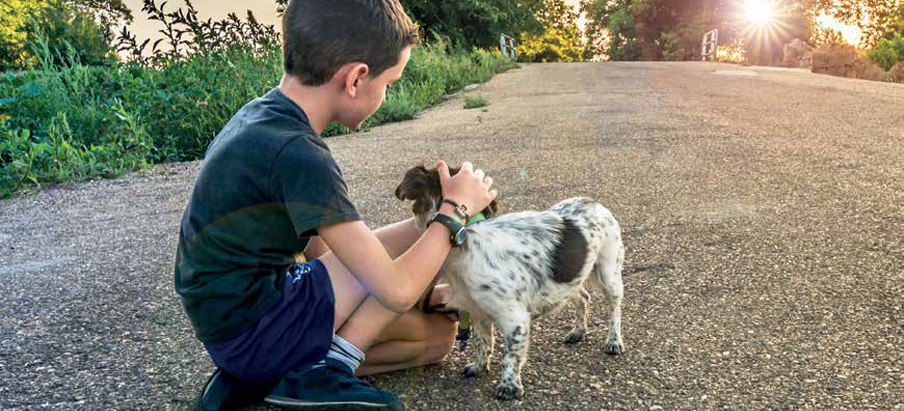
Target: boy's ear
[(353, 75)]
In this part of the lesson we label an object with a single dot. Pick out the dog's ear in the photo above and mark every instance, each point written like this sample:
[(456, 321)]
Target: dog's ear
[(414, 185), (492, 210), (417, 185)]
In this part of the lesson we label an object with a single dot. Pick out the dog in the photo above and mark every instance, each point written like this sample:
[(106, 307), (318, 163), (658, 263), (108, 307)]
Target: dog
[(516, 267)]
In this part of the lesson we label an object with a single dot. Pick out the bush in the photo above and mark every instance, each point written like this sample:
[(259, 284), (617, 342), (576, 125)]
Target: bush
[(65, 121), (475, 102), (66, 28), (888, 52), (475, 23)]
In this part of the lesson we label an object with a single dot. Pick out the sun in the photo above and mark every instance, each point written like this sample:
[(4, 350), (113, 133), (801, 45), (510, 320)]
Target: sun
[(759, 11)]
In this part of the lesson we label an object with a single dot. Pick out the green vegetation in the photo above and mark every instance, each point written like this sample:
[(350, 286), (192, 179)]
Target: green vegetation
[(71, 108), (673, 29), (560, 40), (476, 23), (475, 102), (888, 52), (64, 120), (83, 24)]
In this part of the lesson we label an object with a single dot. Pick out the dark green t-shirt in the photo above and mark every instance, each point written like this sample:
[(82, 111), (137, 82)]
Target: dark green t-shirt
[(267, 183)]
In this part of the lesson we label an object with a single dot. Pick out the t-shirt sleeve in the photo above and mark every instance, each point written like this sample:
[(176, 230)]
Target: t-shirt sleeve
[(307, 181)]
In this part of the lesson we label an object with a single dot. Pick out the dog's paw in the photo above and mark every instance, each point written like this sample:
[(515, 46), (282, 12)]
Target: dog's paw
[(508, 392), (615, 347), (472, 371), (575, 336)]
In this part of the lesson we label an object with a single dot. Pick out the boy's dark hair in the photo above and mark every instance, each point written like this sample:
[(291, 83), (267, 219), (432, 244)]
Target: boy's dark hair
[(320, 36)]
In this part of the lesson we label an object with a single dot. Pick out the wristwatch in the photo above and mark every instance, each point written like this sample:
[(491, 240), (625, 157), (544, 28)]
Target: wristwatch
[(459, 235)]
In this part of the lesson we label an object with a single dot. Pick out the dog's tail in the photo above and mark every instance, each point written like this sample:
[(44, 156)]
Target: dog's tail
[(610, 260)]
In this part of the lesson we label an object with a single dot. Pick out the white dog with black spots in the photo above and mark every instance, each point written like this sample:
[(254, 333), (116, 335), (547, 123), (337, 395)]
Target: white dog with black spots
[(519, 266)]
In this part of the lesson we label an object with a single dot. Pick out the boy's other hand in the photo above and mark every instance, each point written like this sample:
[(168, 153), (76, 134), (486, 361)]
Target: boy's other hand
[(472, 188)]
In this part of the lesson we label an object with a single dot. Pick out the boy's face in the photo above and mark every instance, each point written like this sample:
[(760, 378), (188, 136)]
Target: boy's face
[(370, 93)]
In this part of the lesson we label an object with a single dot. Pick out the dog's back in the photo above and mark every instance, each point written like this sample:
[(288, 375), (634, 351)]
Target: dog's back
[(603, 233), (518, 266), (520, 259), (535, 259)]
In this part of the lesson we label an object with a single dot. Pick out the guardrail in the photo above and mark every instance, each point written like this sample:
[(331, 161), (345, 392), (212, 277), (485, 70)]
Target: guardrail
[(710, 44), (507, 46)]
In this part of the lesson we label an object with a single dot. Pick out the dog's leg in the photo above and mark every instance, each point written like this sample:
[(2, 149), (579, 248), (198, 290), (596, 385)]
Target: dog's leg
[(516, 329), (483, 347), (581, 300), (608, 273)]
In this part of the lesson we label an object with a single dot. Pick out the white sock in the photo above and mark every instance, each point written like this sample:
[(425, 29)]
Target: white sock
[(344, 351)]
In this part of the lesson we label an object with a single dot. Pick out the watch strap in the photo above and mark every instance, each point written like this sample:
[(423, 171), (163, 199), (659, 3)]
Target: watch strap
[(452, 224), (460, 210)]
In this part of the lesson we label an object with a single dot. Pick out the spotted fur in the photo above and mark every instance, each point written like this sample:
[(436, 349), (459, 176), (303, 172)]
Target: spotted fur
[(519, 266)]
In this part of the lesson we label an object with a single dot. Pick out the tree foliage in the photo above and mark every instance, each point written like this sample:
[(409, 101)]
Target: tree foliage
[(15, 17), (85, 25), (560, 40), (888, 52), (672, 29), (475, 22), (470, 23), (69, 29), (880, 15), (610, 29)]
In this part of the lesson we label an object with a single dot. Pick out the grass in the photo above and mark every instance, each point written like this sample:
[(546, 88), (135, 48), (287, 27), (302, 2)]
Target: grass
[(475, 102), (75, 122)]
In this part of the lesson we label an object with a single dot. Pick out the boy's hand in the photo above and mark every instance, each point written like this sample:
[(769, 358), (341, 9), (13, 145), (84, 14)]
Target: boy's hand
[(468, 187)]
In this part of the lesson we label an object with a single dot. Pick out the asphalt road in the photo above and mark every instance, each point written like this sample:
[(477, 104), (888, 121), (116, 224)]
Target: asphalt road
[(763, 213)]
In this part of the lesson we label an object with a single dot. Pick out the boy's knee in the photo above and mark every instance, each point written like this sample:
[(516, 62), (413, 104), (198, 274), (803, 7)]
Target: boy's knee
[(439, 345)]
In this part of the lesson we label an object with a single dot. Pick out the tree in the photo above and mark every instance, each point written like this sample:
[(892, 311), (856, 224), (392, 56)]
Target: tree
[(610, 29), (66, 26), (109, 14), (87, 25), (14, 20), (881, 21), (561, 39), (893, 22), (469, 22), (475, 22), (672, 29)]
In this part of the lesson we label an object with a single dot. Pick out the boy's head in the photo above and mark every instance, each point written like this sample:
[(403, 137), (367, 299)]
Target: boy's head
[(361, 44)]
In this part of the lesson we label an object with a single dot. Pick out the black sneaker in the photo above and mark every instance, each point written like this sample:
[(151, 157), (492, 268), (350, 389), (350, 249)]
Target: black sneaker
[(223, 391), (330, 387)]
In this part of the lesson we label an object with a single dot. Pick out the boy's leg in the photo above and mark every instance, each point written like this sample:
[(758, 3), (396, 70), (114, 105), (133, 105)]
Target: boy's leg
[(413, 340), (362, 324), (390, 342)]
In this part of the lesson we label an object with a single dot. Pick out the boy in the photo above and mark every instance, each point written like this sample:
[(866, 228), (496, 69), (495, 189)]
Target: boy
[(292, 333)]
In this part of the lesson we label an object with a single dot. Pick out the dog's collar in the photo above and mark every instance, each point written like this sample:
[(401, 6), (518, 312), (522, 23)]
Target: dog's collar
[(476, 218)]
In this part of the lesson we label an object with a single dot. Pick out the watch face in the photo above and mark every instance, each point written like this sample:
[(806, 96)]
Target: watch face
[(461, 236)]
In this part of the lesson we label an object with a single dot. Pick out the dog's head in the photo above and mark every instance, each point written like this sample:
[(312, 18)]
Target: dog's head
[(423, 186)]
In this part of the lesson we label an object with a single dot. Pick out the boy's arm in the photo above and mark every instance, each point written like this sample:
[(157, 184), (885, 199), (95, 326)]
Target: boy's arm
[(398, 284), (315, 248), (395, 244)]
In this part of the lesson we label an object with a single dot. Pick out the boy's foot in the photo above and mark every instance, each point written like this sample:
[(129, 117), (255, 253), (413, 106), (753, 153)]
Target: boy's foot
[(223, 391), (330, 387)]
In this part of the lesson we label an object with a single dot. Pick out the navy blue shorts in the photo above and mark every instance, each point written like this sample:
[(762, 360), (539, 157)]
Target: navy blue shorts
[(298, 330)]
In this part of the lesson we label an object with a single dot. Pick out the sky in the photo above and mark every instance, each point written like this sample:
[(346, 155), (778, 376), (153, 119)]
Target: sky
[(264, 10)]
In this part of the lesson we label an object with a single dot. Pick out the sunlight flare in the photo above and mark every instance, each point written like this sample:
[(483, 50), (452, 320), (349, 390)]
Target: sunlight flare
[(851, 33), (759, 11)]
